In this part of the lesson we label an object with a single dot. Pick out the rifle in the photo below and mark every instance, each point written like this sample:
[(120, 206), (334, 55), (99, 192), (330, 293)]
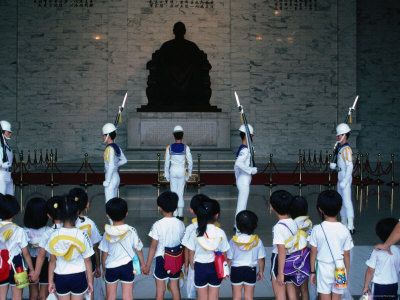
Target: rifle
[(346, 120), (3, 145), (248, 136), (118, 118)]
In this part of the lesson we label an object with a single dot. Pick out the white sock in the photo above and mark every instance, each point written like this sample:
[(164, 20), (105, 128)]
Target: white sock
[(350, 224), (344, 220)]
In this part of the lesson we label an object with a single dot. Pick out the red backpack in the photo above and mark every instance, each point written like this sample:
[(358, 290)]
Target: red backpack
[(4, 266), (173, 259)]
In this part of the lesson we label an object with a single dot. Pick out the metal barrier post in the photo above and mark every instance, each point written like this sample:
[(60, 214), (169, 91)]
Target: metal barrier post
[(329, 172), (158, 170), (392, 183), (21, 177), (85, 183), (198, 173)]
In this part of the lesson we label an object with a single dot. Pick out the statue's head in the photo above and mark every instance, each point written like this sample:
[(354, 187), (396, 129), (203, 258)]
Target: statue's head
[(179, 29)]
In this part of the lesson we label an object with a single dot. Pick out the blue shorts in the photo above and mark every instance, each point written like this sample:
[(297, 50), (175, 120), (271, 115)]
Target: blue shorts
[(17, 261), (243, 275), (75, 284), (122, 273), (274, 268), (384, 291), (205, 275), (161, 274)]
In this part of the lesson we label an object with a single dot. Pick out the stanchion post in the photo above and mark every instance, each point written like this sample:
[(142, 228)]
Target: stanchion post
[(21, 178), (392, 183), (158, 170), (51, 174), (86, 183), (198, 173), (329, 172)]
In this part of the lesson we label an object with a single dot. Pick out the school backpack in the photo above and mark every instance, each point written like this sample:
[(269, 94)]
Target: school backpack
[(4, 266), (173, 259)]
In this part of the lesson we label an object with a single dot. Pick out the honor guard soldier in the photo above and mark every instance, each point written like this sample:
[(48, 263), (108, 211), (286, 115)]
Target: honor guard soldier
[(243, 171), (6, 158), (178, 167), (345, 175), (113, 159)]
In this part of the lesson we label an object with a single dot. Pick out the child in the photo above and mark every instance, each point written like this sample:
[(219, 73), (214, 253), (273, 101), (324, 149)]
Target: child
[(118, 247), (330, 246), (246, 251), (383, 268), (14, 239), (70, 267), (202, 245), (86, 224), (35, 221), (280, 203), (55, 208), (167, 232), (298, 212)]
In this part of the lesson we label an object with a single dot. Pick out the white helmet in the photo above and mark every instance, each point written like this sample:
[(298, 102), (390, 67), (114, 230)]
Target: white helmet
[(5, 125), (242, 128), (108, 128), (178, 128), (342, 128)]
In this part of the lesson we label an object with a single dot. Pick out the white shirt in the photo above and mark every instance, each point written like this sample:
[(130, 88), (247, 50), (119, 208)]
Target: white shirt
[(178, 161), (338, 237), (76, 264), (168, 232), (122, 252), (16, 242), (34, 238), (345, 164), (9, 156), (386, 266), (188, 232), (90, 228), (216, 235), (280, 233), (46, 234), (241, 257), (112, 162), (242, 163)]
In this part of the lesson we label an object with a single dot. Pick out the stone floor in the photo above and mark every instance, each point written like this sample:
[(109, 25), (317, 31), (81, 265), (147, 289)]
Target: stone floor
[(369, 205)]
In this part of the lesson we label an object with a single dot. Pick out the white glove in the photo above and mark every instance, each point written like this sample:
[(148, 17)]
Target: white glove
[(332, 166), (167, 178), (253, 171), (187, 178), (6, 165), (343, 184), (105, 183)]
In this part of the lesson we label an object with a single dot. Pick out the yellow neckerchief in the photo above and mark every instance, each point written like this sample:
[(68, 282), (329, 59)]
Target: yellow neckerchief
[(113, 234), (194, 220), (33, 240), (6, 231), (86, 228), (64, 246), (210, 240), (296, 242), (246, 242), (303, 223)]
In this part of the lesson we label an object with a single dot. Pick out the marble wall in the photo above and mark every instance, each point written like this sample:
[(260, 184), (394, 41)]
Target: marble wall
[(64, 71)]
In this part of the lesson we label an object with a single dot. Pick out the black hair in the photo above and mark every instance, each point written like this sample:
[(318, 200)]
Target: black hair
[(330, 203), (71, 210), (242, 135), (55, 207), (9, 207), (299, 207), (35, 213), (179, 29), (246, 221), (81, 196), (384, 228), (281, 201), (116, 209), (196, 200), (113, 135), (178, 135), (206, 212), (168, 201), (348, 135)]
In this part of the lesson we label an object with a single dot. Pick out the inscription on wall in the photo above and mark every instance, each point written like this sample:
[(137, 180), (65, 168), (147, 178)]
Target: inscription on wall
[(63, 3), (296, 4), (181, 3)]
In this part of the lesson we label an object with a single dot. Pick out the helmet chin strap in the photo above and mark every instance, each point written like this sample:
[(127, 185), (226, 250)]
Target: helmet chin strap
[(341, 140), (105, 140)]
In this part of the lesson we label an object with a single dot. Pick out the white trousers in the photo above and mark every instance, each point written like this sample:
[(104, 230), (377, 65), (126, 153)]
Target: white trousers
[(243, 186), (347, 207), (6, 183), (111, 191), (177, 181)]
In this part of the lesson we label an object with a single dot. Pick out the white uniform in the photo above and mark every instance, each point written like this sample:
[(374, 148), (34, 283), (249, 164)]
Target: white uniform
[(178, 169), (243, 173), (6, 183), (345, 178), (113, 159)]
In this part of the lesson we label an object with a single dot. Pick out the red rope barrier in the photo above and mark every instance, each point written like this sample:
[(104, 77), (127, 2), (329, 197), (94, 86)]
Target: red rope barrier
[(276, 170), (266, 167), (80, 169), (91, 169)]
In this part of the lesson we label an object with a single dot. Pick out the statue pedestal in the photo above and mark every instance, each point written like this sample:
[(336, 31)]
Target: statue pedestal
[(153, 130)]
